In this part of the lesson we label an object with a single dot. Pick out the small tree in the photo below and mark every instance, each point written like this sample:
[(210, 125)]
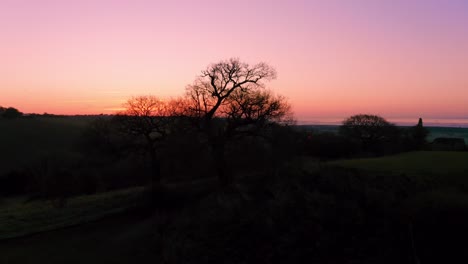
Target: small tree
[(10, 113), (419, 133), (101, 137), (255, 114), (148, 120), (370, 130)]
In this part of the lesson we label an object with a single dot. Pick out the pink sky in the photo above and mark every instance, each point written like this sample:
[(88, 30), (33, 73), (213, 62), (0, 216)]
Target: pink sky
[(334, 58)]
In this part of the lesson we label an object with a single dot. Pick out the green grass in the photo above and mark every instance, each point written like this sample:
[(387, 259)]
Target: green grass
[(20, 217), (414, 163)]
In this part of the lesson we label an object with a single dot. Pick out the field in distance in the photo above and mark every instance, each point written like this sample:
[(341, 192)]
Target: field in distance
[(415, 163), (434, 132)]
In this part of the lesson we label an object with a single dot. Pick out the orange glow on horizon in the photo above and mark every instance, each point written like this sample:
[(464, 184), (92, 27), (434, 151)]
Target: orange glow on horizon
[(333, 58)]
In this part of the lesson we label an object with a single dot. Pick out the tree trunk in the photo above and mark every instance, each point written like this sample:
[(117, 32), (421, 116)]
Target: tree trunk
[(224, 175), (155, 180), (155, 169), (218, 142)]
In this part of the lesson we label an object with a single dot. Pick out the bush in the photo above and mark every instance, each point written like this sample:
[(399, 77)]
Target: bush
[(10, 113), (374, 133), (15, 182), (329, 146)]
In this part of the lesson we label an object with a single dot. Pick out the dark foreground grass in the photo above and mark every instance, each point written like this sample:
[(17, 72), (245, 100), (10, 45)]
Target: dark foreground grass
[(100, 228), (112, 227), (20, 217), (115, 239)]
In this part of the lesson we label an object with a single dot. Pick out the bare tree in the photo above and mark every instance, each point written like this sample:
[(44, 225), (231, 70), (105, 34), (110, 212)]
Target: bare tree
[(148, 119), (229, 100), (259, 107), (219, 81)]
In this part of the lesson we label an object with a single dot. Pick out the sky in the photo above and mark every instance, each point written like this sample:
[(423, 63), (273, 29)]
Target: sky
[(396, 58)]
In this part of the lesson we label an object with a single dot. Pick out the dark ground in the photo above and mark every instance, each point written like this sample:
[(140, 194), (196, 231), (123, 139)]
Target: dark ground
[(118, 239)]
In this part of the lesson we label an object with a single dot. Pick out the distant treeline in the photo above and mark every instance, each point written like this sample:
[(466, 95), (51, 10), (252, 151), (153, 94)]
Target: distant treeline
[(12, 112), (9, 112), (78, 154)]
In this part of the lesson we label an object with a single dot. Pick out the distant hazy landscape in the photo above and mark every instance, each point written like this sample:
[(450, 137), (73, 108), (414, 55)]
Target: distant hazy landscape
[(434, 131)]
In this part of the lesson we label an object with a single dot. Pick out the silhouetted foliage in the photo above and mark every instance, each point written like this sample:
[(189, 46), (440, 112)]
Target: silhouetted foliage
[(14, 183), (374, 133), (228, 100), (101, 138), (419, 134), (10, 113), (329, 145), (285, 144), (274, 218), (448, 144), (148, 121)]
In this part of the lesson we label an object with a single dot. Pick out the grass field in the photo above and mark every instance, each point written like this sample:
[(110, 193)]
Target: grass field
[(415, 163), (99, 228), (442, 177), (121, 239), (19, 217)]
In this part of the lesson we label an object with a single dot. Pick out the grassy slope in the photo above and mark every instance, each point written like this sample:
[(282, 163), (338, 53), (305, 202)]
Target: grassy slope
[(123, 239), (415, 163), (19, 217), (116, 238), (444, 175), (37, 232)]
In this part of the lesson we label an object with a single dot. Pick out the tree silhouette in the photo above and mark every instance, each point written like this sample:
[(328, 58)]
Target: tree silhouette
[(217, 83), (419, 134), (10, 112), (229, 100), (148, 119), (368, 129)]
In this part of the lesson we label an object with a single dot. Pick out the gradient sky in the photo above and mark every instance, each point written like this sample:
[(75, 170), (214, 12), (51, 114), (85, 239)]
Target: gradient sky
[(335, 58)]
